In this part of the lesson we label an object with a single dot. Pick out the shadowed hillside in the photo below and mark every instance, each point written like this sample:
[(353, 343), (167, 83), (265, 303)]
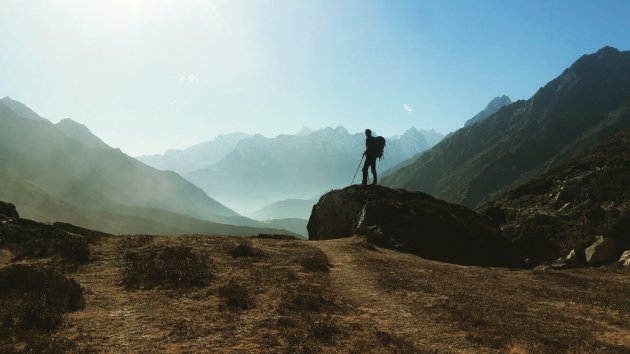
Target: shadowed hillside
[(567, 207), (587, 103)]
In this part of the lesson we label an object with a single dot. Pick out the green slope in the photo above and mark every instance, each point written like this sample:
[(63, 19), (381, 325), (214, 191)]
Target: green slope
[(34, 203)]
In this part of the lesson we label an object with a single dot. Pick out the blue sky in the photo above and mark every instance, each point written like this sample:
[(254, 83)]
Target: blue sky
[(147, 75)]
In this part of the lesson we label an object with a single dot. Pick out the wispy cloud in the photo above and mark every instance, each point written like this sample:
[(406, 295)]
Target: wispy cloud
[(189, 78), (407, 108)]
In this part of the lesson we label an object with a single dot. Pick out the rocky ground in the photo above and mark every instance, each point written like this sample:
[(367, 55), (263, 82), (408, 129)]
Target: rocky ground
[(222, 294), (570, 206)]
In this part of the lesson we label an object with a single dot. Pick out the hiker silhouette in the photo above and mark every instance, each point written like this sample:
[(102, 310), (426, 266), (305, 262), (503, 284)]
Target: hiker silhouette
[(370, 153)]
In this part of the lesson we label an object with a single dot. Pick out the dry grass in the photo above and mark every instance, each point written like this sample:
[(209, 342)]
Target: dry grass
[(340, 296), (484, 309)]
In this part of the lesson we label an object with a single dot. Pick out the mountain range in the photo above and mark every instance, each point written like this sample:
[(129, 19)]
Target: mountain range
[(261, 170), (63, 172), (584, 105), (195, 157)]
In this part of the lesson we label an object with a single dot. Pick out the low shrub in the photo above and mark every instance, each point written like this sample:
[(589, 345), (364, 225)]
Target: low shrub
[(169, 267), (246, 249), (317, 261), (34, 298), (72, 249), (237, 296)]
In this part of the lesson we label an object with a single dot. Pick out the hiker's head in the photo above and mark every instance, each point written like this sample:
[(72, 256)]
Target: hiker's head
[(368, 132)]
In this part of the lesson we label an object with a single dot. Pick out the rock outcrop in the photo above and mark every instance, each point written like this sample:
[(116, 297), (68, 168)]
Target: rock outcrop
[(26, 238), (410, 221), (8, 209)]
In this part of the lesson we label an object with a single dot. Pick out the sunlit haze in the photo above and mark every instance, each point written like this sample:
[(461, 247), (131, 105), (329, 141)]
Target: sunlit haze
[(148, 75)]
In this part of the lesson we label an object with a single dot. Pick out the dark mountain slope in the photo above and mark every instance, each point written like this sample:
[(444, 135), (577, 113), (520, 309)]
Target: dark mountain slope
[(568, 206), (587, 103), (494, 105)]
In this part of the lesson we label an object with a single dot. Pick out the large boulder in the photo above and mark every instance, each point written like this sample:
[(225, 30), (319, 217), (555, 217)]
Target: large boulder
[(410, 221)]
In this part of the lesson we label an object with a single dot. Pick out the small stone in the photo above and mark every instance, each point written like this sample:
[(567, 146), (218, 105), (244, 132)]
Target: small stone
[(603, 250), (559, 264), (565, 206), (624, 260)]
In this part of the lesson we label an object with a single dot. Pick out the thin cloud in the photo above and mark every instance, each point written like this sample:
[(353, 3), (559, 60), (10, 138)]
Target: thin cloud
[(189, 78), (407, 108)]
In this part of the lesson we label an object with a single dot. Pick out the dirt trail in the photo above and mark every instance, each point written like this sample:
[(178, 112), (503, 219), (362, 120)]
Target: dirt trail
[(388, 310), (442, 307)]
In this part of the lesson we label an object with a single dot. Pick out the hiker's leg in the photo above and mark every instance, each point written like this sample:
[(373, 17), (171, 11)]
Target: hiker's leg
[(365, 171), (374, 171)]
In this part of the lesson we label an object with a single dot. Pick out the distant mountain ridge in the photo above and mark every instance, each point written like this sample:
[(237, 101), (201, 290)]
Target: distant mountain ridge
[(262, 170), (21, 110), (288, 208), (81, 133), (494, 105), (587, 103), (197, 156)]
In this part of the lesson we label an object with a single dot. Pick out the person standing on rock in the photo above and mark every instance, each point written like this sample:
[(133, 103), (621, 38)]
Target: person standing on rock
[(370, 153)]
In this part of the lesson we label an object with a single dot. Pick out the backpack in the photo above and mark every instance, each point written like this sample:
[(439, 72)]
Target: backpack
[(379, 146)]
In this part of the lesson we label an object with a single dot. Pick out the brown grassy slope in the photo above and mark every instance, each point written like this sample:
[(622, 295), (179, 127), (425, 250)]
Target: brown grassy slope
[(277, 296)]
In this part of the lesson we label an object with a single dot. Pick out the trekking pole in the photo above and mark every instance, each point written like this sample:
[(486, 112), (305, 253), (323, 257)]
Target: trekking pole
[(355, 174)]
